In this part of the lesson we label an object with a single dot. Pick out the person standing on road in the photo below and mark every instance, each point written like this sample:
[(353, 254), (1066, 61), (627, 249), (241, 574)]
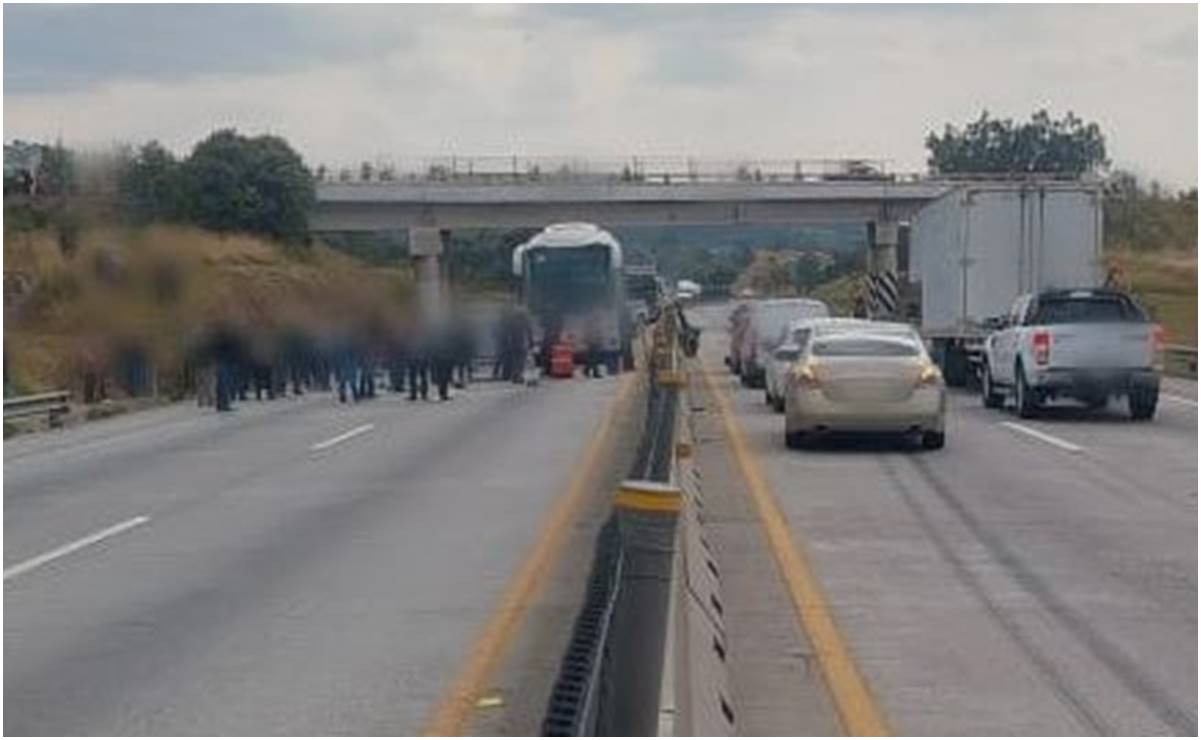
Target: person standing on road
[(419, 383), (520, 340), (398, 359), (593, 347), (344, 372), (442, 359), (229, 357), (463, 334), (499, 334)]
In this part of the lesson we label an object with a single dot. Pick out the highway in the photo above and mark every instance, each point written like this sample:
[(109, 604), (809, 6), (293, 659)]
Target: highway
[(305, 567), (1030, 579), (295, 567)]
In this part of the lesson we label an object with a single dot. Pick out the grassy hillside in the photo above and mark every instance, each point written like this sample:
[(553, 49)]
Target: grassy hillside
[(1165, 282), (156, 289)]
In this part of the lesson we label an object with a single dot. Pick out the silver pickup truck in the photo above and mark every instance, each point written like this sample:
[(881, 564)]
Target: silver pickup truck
[(1090, 344)]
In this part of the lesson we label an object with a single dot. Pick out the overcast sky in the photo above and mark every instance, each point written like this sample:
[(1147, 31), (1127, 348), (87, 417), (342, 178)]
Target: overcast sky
[(350, 83)]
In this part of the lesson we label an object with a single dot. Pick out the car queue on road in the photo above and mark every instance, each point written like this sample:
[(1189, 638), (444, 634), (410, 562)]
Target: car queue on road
[(830, 375)]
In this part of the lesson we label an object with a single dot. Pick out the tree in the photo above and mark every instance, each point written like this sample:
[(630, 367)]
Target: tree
[(1148, 218), (150, 185), (1044, 145), (255, 184), (56, 172)]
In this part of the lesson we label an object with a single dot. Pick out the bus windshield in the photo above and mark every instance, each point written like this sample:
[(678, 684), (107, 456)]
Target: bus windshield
[(568, 280)]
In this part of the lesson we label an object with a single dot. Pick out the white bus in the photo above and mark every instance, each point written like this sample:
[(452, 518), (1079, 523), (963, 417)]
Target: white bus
[(570, 277)]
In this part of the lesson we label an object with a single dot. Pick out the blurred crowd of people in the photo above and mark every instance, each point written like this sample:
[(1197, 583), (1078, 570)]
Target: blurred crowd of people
[(420, 359)]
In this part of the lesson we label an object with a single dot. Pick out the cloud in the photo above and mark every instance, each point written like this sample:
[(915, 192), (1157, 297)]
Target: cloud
[(346, 84), (49, 48)]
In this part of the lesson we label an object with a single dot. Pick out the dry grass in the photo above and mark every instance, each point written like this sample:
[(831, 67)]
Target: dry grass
[(1165, 282), (158, 288)]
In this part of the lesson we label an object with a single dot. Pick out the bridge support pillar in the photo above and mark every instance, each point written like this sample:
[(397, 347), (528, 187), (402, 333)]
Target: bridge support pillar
[(425, 250), (883, 286)]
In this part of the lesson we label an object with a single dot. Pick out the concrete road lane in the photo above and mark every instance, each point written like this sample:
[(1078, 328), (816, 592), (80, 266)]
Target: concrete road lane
[(279, 586), (1006, 584)]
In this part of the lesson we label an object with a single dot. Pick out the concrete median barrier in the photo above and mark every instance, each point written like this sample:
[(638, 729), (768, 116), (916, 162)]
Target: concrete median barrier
[(649, 651)]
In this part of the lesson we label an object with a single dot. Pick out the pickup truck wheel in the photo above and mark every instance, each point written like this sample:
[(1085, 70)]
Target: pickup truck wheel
[(1142, 403), (1025, 399), (934, 440), (992, 399)]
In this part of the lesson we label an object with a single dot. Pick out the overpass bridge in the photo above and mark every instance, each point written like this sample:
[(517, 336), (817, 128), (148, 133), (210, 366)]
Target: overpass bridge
[(427, 208), (437, 196), (399, 205)]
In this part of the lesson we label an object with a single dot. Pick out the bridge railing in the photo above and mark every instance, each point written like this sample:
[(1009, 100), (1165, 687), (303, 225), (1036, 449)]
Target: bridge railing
[(650, 170), (656, 170)]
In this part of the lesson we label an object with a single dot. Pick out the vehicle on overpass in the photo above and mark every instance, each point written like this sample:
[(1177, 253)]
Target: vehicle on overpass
[(570, 280), (861, 380), (975, 249), (687, 290), (766, 323), (1090, 345)]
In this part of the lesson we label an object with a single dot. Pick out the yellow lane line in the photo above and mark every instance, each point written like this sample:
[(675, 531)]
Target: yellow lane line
[(858, 712), (454, 709)]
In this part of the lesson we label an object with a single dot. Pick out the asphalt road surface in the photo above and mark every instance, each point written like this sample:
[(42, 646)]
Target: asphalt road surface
[(296, 567), (1034, 577)]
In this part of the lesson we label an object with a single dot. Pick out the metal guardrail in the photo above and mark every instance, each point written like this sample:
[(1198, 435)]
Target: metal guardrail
[(1179, 356), (53, 404)]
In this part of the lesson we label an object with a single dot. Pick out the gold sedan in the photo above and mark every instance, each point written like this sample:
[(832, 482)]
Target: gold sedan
[(861, 381)]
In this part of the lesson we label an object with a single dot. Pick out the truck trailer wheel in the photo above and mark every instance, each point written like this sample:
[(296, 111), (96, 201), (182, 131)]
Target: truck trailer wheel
[(934, 440), (952, 360), (794, 440), (955, 371)]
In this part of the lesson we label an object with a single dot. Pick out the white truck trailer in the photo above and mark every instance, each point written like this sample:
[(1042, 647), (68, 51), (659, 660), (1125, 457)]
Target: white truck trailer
[(978, 247)]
